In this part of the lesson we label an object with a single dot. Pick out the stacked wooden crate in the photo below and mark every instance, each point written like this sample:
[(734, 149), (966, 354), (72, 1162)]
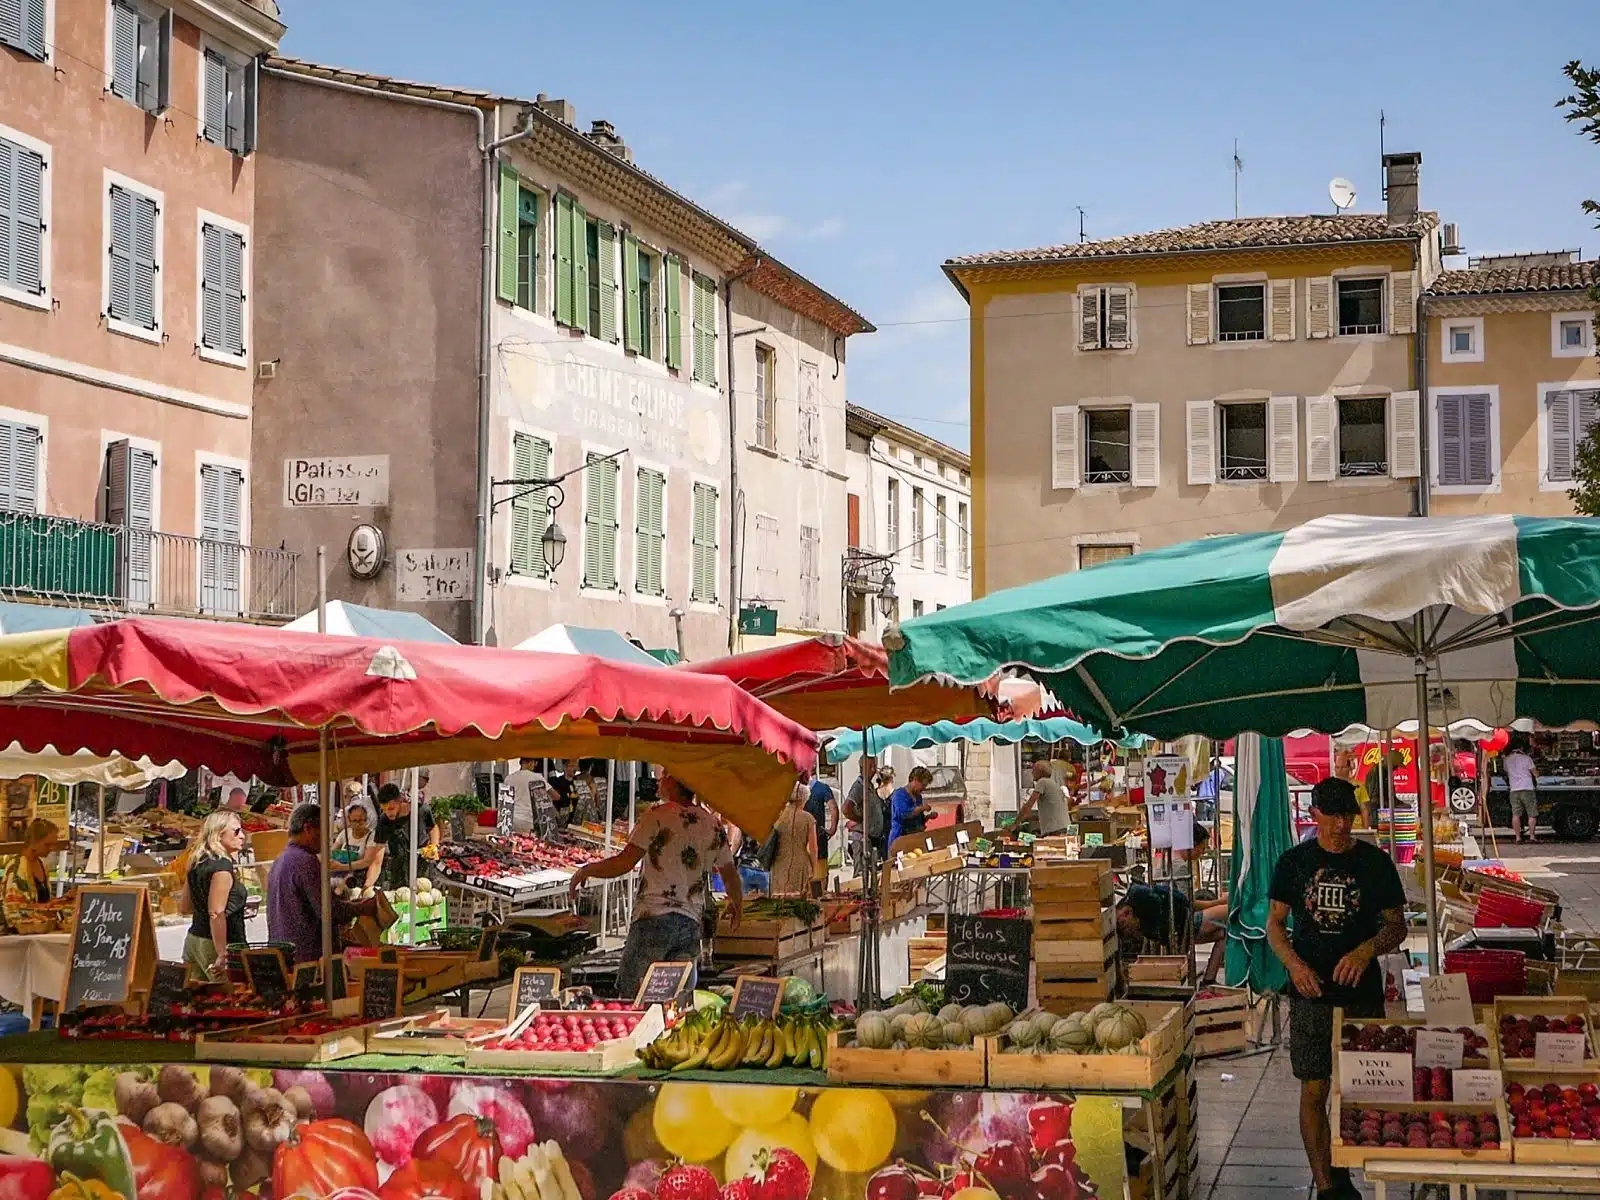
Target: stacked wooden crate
[(1074, 934)]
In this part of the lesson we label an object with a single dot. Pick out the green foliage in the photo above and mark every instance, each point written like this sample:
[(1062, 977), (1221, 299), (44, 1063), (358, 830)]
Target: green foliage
[(1582, 107), (464, 802)]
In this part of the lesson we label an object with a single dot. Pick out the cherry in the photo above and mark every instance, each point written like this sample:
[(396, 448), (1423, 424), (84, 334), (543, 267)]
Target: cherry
[(1004, 1164), (1062, 1154), (1054, 1182), (893, 1183), (1049, 1122)]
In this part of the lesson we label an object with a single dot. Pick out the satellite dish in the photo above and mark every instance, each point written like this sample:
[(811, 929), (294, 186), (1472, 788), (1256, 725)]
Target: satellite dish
[(1342, 192)]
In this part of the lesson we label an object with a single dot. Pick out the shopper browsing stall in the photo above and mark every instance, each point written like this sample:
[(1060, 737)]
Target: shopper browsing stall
[(1521, 778), (1348, 908), (215, 894), (24, 879), (394, 836), (794, 859), (908, 812), (1046, 805), (357, 848), (294, 889), (676, 843)]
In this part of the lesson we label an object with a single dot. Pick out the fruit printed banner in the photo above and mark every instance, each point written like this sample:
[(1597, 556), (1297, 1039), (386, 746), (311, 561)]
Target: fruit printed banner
[(182, 1132)]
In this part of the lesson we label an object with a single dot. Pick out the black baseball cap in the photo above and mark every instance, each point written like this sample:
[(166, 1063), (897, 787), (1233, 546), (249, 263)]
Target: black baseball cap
[(1335, 797)]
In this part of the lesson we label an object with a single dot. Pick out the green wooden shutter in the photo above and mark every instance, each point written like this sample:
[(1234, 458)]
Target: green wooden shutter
[(703, 583), (632, 316), (510, 193), (565, 290), (608, 282), (705, 329), (580, 268), (530, 459), (649, 511), (600, 524), (672, 284)]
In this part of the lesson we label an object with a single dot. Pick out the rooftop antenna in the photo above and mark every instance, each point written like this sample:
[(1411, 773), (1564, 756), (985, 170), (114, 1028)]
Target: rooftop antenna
[(1343, 194), (1082, 237), (1238, 165)]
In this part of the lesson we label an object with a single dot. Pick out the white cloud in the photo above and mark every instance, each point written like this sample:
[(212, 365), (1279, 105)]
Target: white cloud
[(760, 226), (828, 227)]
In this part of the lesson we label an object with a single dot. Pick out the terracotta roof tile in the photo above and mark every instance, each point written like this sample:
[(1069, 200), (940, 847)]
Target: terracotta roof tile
[(1239, 233), (1483, 281)]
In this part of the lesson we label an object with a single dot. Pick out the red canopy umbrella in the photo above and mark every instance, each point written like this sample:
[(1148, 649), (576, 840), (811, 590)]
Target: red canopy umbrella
[(255, 701), (833, 681)]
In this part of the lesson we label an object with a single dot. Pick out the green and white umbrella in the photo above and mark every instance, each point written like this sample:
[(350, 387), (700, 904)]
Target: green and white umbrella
[(1343, 620)]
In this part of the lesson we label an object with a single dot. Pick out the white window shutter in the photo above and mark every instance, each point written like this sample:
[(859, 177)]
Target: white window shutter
[(1405, 435), (1145, 452), (1280, 316), (1322, 432), (1199, 314), (1319, 312), (1119, 318), (1283, 439), (1065, 457), (1403, 302), (1089, 318), (1200, 425)]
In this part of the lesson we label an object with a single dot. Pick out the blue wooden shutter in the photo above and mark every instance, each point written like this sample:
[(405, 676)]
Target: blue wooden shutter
[(124, 51), (1452, 440), (214, 125), (121, 251), (146, 270), (232, 293), (19, 467)]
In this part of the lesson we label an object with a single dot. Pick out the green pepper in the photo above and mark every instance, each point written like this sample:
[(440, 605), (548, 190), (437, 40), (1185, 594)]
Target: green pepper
[(89, 1145)]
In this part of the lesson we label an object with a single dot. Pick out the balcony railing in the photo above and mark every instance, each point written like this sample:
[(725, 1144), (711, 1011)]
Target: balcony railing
[(138, 571)]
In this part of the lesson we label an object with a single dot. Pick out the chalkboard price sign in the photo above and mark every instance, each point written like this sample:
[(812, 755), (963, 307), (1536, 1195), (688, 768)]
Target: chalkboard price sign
[(171, 987), (505, 808), (308, 982), (268, 973), (756, 996), (110, 948), (988, 959), (380, 993), (663, 983), (534, 985)]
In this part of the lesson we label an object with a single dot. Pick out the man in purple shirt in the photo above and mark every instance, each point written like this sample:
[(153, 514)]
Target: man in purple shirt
[(294, 889)]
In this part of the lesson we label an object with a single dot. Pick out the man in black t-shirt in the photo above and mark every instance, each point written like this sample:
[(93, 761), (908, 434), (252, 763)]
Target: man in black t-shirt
[(394, 835), (1349, 908)]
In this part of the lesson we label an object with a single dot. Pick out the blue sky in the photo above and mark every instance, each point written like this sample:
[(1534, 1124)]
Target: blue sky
[(864, 143)]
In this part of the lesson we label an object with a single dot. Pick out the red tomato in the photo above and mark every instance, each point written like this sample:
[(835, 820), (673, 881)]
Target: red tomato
[(468, 1144), (321, 1157), (421, 1179)]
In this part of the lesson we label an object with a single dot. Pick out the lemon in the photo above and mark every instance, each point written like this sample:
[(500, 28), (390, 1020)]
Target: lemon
[(10, 1098), (1097, 1134), (688, 1124), (791, 1131), (854, 1128), (754, 1106)]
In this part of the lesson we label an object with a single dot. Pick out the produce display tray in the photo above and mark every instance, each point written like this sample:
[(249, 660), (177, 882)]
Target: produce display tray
[(1160, 1049), (266, 1043), (1348, 1154), (605, 1058), (931, 1068), (438, 1032), (1549, 1006), (1489, 1058)]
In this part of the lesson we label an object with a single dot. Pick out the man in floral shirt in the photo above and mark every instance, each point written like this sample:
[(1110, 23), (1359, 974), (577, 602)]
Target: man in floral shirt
[(679, 842)]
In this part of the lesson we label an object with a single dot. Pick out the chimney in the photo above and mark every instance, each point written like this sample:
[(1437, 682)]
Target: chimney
[(561, 110), (604, 135), (1401, 176)]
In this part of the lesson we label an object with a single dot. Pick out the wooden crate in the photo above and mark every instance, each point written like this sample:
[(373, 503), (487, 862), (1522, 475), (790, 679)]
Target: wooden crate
[(1093, 952), (1171, 970), (1222, 1021), (1346, 1154), (1160, 1049), (1489, 1059), (769, 938), (930, 1068), (920, 951), (242, 1045), (1549, 1006), (1065, 996), (438, 1032), (1052, 929), (601, 1059), (1084, 882)]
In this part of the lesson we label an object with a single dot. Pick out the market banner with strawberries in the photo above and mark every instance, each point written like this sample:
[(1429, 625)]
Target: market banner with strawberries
[(181, 1132)]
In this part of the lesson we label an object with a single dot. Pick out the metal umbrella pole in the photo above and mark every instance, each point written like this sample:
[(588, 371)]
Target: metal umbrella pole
[(411, 875), (1425, 799), (326, 821), (1386, 790)]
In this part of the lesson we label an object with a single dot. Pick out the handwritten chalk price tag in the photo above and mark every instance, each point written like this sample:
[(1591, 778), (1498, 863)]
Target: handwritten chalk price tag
[(1383, 1077), (1446, 1001), (756, 996), (1439, 1048), (1553, 1051), (1476, 1087)]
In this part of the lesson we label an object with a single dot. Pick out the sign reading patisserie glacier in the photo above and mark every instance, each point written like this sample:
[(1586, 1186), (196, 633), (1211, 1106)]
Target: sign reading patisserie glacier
[(360, 480)]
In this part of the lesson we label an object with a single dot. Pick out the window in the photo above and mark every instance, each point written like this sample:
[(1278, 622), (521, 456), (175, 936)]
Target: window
[(810, 413), (963, 551), (1363, 437), (1244, 441), (640, 281), (810, 577), (130, 503), (222, 269), (229, 90), (766, 400), (852, 520), (941, 536), (916, 608), (141, 54), (1569, 415), (1241, 312), (964, 479), (1093, 556), (1571, 334), (1463, 340), (703, 581), (133, 292), (22, 26), (1106, 434), (1105, 318), (530, 516), (20, 446), (527, 250), (892, 526), (1360, 306), (600, 241), (1465, 453), (22, 221), (916, 461), (650, 531), (222, 534), (600, 522), (916, 524), (705, 328), (672, 307), (769, 552)]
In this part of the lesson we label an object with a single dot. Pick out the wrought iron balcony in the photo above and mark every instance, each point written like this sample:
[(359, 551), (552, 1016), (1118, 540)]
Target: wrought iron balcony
[(140, 571)]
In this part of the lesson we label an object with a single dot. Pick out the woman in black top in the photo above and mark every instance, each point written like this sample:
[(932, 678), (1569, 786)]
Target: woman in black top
[(216, 896)]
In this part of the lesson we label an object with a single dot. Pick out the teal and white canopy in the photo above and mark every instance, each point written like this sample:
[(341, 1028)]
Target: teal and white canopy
[(918, 736), (1319, 627)]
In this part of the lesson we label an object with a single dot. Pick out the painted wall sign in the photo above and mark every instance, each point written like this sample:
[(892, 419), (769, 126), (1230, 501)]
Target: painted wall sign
[(424, 575), (347, 480)]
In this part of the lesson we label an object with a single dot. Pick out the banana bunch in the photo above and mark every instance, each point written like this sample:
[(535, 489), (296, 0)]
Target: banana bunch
[(540, 1174), (722, 1042)]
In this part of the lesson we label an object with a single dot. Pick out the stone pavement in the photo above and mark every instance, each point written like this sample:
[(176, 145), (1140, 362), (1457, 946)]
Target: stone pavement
[(1248, 1126)]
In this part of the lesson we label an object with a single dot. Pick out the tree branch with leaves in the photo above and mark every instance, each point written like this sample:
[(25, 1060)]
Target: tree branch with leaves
[(1582, 107)]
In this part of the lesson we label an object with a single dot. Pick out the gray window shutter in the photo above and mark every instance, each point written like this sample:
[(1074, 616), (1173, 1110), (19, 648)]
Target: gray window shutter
[(234, 138), (124, 51), (19, 467), (22, 25), (252, 106), (8, 212), (130, 503), (1452, 440), (211, 287), (221, 528), (232, 293), (121, 251), (164, 63), (1476, 417), (150, 55), (145, 267), (1558, 431), (215, 126), (21, 218)]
